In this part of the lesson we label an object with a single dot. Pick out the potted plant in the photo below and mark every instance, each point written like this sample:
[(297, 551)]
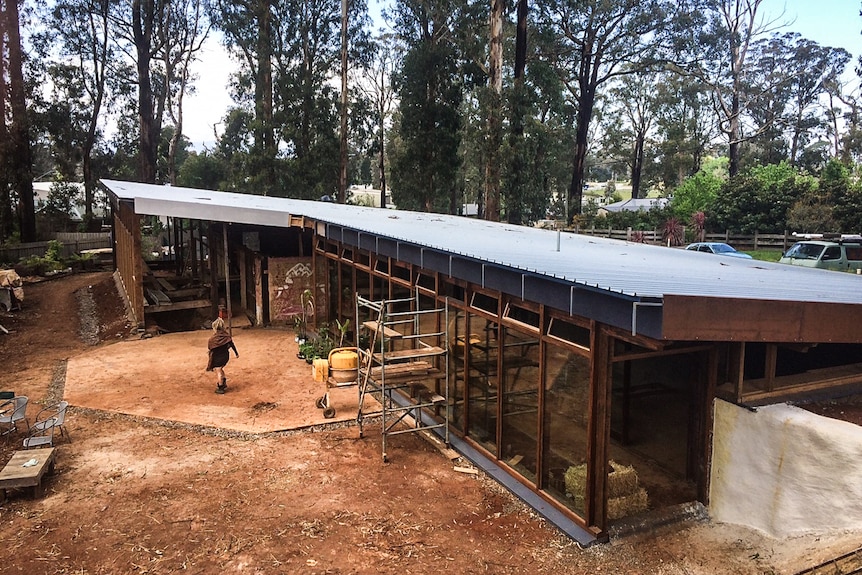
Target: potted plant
[(306, 301), (306, 350), (299, 329), (342, 330)]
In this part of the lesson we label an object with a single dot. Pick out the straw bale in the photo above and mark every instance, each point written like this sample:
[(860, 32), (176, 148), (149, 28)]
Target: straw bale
[(623, 481), (628, 504), (576, 481)]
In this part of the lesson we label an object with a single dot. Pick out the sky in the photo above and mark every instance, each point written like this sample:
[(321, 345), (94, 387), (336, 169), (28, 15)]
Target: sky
[(834, 23)]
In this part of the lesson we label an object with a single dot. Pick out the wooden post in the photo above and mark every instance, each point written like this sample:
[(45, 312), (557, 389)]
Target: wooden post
[(227, 280)]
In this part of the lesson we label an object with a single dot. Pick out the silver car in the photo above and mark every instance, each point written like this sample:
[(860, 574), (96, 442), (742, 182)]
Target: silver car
[(717, 248)]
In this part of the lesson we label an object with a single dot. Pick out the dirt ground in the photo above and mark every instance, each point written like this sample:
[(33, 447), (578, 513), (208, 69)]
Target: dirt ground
[(161, 475)]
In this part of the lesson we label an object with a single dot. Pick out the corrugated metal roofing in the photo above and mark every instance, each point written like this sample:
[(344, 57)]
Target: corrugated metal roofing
[(629, 269)]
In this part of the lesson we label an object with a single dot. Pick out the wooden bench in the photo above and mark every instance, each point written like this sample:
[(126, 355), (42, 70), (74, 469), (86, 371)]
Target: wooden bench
[(15, 474)]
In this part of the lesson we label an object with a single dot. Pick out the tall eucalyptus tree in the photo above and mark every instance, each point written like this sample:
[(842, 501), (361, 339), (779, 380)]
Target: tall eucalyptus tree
[(630, 121), (181, 37), (248, 34), (15, 150), (136, 28), (84, 40), (687, 127), (734, 25), (289, 53), (429, 84), (600, 40), (376, 85)]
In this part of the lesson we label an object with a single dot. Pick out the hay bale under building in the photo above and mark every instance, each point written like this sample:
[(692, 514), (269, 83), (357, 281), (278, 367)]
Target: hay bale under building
[(625, 496)]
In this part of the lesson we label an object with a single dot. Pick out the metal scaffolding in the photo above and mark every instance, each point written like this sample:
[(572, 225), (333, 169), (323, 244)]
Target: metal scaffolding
[(404, 366)]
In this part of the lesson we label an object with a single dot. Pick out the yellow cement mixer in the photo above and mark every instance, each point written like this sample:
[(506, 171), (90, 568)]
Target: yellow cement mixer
[(340, 369)]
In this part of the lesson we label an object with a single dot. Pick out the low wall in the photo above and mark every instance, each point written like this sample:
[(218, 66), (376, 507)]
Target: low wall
[(785, 471)]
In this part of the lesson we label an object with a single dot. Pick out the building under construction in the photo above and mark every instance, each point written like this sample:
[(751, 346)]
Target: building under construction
[(582, 373)]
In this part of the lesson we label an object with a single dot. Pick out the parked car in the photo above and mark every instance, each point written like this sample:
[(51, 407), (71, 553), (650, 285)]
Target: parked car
[(717, 248), (839, 255)]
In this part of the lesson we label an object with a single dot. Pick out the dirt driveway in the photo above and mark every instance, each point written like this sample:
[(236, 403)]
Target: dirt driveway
[(140, 489)]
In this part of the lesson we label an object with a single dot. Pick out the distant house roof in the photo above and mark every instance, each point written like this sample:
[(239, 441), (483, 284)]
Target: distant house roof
[(659, 291), (636, 205)]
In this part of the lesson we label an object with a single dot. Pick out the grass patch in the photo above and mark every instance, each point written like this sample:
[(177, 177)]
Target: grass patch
[(765, 255)]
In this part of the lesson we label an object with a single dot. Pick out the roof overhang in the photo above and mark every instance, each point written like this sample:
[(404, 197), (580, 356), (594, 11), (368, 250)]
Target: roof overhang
[(651, 291), (733, 319)]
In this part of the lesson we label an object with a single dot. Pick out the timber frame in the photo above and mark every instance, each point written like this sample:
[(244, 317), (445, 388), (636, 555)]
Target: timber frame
[(526, 343)]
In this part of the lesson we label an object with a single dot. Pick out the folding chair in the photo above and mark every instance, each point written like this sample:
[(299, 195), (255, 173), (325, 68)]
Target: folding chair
[(53, 416), (41, 436), (13, 411)]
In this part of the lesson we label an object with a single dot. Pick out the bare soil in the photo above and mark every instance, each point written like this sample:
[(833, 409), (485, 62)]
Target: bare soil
[(139, 489)]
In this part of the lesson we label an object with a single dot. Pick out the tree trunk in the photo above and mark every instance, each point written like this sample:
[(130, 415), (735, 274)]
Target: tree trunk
[(142, 25), (381, 160), (21, 154), (342, 175), (265, 136), (586, 99), (516, 177), (7, 214), (637, 165), (495, 83), (733, 136)]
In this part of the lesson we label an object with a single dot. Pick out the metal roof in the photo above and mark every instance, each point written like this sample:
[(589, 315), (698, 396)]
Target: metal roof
[(629, 269)]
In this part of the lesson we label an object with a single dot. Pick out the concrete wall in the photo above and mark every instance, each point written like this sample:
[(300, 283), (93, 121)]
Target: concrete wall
[(785, 471)]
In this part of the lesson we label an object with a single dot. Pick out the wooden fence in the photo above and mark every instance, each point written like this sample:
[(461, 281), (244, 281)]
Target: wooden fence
[(777, 242), (73, 243)]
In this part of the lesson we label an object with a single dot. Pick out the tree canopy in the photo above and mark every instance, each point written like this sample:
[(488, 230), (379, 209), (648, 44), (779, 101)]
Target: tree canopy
[(508, 107)]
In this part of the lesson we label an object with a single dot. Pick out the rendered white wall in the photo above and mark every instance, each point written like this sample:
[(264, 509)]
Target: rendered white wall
[(785, 471)]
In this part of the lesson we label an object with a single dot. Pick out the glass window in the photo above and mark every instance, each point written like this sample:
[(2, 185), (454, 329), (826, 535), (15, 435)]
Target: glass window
[(485, 302), (426, 281), (570, 332), (401, 272), (452, 290), (348, 296), (482, 345), (522, 315), (520, 405), (363, 259), (458, 346), (832, 253), (382, 265), (567, 409), (853, 252)]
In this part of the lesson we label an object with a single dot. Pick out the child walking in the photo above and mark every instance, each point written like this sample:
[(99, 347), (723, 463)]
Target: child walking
[(219, 345)]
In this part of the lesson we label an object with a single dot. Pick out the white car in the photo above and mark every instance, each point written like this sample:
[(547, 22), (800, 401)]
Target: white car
[(717, 248)]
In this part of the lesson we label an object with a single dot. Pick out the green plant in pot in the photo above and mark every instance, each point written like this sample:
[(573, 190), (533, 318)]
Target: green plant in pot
[(306, 350)]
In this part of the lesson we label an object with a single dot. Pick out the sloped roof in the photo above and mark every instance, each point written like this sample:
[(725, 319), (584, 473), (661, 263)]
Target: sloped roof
[(716, 297)]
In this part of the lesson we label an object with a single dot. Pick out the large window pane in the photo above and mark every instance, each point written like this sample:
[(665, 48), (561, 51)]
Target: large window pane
[(520, 408), (482, 343), (457, 359), (567, 408)]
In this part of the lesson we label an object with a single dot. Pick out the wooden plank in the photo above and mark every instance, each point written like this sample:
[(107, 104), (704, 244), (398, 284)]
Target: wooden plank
[(158, 296), (192, 304), (735, 319), (402, 354), (195, 293), (389, 333), (404, 374), (166, 285)]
